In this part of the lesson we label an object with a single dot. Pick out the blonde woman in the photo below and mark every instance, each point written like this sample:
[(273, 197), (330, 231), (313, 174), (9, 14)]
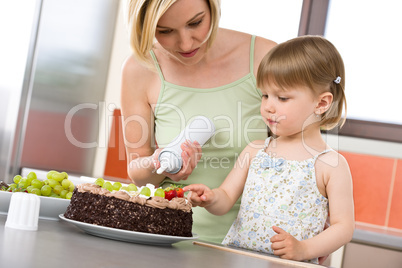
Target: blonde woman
[(290, 183), (183, 65)]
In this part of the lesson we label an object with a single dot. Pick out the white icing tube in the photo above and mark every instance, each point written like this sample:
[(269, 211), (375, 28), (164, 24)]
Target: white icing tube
[(201, 129)]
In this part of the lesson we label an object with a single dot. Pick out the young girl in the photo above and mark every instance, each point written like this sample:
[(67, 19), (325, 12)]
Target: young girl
[(290, 183)]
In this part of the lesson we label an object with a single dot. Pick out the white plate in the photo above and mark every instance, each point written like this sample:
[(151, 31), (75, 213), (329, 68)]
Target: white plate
[(127, 236), (50, 207)]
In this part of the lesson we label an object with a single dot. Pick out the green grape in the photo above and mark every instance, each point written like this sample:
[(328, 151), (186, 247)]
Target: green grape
[(100, 182), (160, 192), (57, 189), (145, 191), (37, 183), (46, 190), (66, 183), (58, 176), (69, 195), (53, 183), (124, 188), (132, 187), (29, 188), (71, 188), (17, 179), (24, 183), (54, 195), (50, 174), (63, 194), (108, 185), (12, 187), (31, 176), (116, 186), (36, 191), (65, 174)]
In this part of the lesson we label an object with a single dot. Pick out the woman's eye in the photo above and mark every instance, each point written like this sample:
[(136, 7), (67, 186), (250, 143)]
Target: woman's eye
[(194, 24), (164, 31)]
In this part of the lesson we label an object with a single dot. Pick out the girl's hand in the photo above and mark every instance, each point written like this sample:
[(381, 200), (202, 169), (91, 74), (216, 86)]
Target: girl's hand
[(191, 154), (199, 194), (286, 246)]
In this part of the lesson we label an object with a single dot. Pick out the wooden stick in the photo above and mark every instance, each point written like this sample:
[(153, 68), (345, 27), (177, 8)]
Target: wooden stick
[(257, 255)]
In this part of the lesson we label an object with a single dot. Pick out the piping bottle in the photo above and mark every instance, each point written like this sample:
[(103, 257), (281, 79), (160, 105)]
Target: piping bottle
[(201, 129)]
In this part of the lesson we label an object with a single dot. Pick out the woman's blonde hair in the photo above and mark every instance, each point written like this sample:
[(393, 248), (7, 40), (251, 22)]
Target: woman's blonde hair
[(143, 17), (310, 61)]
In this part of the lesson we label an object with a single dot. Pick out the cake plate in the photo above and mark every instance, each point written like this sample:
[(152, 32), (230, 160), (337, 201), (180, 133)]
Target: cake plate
[(127, 236)]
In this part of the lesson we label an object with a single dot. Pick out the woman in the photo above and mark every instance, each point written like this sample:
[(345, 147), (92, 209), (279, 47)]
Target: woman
[(183, 65)]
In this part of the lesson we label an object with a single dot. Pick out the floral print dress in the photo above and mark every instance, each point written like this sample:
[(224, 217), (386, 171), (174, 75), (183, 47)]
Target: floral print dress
[(280, 193)]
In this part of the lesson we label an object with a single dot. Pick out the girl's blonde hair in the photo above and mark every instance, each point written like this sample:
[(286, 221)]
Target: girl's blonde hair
[(310, 61), (143, 17)]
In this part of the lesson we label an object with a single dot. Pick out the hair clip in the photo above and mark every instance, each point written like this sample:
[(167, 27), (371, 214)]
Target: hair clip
[(338, 80)]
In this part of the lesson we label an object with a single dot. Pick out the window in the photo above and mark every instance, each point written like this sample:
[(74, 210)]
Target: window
[(367, 35), (370, 43), (272, 19)]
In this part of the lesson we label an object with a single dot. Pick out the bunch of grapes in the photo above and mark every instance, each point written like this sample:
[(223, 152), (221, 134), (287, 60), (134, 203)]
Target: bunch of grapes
[(168, 193), (55, 185), (116, 186)]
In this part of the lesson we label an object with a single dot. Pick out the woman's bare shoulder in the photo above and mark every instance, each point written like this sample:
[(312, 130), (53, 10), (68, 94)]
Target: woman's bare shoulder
[(262, 45), (137, 75), (132, 68), (261, 48), (139, 83)]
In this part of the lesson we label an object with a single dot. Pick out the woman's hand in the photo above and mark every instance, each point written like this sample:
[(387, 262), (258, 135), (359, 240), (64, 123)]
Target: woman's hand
[(191, 154), (199, 194), (286, 246)]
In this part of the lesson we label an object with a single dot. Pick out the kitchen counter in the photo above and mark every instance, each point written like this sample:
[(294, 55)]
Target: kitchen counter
[(61, 244), (377, 236)]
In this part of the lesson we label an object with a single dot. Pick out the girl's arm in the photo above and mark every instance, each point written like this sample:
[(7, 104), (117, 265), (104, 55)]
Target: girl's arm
[(220, 200), (339, 190)]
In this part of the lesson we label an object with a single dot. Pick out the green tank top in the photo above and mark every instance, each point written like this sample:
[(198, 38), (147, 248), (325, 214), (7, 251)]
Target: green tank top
[(235, 111)]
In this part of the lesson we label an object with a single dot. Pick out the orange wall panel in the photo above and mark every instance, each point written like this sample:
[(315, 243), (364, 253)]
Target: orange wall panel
[(372, 176), (116, 163), (395, 218)]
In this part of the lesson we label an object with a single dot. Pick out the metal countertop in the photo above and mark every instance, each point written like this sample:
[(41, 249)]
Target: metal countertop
[(61, 244)]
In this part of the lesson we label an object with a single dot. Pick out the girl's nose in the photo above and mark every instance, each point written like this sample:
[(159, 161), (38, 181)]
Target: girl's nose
[(268, 105)]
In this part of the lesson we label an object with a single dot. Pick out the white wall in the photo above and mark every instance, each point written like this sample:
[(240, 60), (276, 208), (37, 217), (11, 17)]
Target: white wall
[(121, 50)]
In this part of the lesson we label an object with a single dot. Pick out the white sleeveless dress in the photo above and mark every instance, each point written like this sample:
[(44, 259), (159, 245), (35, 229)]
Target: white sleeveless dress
[(280, 193)]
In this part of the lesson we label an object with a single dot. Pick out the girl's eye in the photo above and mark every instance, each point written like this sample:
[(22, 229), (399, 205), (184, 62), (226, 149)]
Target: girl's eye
[(283, 98), (264, 96)]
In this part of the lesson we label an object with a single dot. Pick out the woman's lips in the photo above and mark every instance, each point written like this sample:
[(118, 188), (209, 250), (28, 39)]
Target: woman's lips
[(189, 54)]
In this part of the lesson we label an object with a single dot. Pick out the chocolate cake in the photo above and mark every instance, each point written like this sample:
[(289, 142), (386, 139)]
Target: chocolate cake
[(118, 209)]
